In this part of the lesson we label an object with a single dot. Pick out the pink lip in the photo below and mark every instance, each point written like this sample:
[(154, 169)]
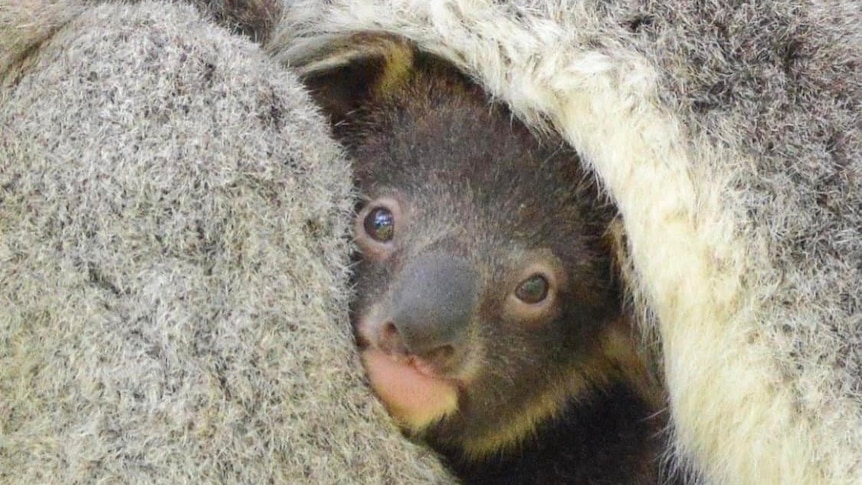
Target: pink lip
[(409, 388)]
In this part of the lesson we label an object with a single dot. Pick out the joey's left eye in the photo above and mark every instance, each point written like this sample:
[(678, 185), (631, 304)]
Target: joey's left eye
[(380, 224), (532, 290)]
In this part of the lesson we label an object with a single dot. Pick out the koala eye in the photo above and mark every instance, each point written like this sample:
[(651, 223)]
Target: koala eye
[(532, 290), (380, 224)]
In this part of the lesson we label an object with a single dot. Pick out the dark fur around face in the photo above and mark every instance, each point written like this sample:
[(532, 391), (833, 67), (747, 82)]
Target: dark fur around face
[(255, 19), (546, 396)]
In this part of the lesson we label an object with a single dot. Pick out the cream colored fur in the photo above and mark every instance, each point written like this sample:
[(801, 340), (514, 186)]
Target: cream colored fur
[(674, 106)]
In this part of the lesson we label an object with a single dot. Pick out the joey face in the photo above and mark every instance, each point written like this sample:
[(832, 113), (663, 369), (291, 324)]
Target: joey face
[(471, 337), (482, 279)]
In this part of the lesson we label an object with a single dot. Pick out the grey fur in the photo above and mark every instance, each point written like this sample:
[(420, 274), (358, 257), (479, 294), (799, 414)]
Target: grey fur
[(126, 322), (173, 262)]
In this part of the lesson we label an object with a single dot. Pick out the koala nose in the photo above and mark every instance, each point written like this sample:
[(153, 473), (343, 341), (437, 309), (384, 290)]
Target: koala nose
[(433, 304)]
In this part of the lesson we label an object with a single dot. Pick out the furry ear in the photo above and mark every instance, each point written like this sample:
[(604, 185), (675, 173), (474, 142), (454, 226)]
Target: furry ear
[(355, 70)]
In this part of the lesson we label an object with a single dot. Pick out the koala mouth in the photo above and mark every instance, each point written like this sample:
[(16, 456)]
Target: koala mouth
[(409, 388)]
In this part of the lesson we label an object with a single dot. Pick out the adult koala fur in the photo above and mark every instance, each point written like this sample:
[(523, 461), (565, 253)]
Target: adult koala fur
[(167, 318), (173, 259), (729, 135)]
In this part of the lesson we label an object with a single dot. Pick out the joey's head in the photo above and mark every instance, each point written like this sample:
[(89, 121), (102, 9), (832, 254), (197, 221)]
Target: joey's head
[(484, 278)]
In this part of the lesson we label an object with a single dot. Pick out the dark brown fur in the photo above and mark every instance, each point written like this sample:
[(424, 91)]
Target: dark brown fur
[(255, 19), (479, 186)]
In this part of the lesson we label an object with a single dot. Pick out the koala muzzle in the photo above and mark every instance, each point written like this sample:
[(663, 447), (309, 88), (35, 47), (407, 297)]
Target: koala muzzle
[(433, 305)]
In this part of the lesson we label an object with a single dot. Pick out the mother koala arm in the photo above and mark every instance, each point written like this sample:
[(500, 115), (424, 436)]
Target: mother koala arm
[(173, 262)]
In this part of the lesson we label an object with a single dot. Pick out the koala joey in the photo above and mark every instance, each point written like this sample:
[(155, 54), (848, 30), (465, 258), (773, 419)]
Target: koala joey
[(489, 312)]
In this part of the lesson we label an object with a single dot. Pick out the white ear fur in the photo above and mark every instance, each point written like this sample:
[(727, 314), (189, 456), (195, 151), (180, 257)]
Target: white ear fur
[(338, 51)]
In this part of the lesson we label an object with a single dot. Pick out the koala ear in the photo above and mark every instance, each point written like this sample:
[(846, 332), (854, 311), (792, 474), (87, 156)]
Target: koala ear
[(355, 71)]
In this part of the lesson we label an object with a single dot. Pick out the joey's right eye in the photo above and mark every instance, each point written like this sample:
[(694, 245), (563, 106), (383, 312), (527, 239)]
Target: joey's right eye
[(380, 224), (532, 290)]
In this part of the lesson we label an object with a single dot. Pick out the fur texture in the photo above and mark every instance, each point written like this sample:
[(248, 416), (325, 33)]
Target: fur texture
[(729, 136), (173, 291), (172, 313)]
